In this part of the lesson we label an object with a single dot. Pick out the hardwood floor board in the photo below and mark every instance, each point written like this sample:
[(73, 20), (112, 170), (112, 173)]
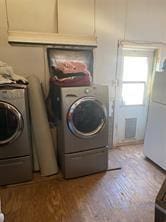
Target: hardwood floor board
[(125, 195)]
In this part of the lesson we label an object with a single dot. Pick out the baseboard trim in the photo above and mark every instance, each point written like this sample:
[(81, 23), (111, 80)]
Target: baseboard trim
[(138, 142)]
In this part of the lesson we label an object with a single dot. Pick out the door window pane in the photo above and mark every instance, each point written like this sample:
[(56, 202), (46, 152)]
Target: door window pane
[(135, 68), (133, 93)]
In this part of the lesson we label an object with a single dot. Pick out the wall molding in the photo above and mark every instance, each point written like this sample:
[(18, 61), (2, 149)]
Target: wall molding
[(50, 38)]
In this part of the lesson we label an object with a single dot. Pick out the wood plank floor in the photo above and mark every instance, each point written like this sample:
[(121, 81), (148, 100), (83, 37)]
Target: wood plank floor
[(125, 195)]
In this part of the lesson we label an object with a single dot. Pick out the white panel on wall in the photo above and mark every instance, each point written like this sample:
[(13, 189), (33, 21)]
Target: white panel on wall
[(76, 17), (3, 20), (29, 15), (146, 20), (109, 28)]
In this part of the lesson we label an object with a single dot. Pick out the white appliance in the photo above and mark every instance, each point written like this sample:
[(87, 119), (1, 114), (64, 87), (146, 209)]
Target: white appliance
[(155, 136)]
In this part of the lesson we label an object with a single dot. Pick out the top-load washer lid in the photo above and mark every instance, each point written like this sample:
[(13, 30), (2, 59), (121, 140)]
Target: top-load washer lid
[(86, 117), (11, 123)]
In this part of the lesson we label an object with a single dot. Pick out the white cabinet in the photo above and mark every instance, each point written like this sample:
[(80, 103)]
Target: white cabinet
[(35, 16), (76, 17)]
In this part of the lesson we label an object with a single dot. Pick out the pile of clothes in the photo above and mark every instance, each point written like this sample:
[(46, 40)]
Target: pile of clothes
[(70, 73), (7, 75)]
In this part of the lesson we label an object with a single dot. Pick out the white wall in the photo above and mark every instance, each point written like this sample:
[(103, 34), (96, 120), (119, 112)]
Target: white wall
[(109, 29), (113, 20), (25, 60), (145, 20)]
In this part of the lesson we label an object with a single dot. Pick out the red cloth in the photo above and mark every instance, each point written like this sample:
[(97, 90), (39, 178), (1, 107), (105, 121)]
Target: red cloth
[(82, 81), (69, 67), (72, 67)]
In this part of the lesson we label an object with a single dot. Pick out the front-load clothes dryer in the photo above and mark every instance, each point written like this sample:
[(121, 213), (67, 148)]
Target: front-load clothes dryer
[(83, 130), (15, 141)]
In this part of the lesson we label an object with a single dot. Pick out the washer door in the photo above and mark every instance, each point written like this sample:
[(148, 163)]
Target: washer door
[(86, 117), (11, 123)]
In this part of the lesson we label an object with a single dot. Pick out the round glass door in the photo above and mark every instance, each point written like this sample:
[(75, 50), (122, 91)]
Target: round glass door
[(86, 117), (11, 123)]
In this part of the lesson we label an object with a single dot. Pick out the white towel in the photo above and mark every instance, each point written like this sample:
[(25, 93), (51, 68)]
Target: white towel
[(7, 75)]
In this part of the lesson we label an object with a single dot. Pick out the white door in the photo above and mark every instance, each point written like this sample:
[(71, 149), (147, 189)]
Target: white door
[(132, 95)]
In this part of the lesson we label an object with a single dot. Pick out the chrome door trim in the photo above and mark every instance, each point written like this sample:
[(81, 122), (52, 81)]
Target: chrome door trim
[(20, 126), (70, 115)]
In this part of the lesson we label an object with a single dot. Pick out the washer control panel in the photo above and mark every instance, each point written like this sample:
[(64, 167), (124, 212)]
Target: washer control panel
[(11, 94), (90, 90)]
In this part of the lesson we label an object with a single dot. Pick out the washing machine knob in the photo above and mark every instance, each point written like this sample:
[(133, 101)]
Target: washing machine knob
[(86, 91)]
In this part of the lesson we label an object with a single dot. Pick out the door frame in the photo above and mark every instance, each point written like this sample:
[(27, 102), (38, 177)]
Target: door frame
[(118, 81)]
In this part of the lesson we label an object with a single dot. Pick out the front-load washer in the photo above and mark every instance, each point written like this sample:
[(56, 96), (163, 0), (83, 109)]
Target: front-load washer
[(83, 130), (15, 140)]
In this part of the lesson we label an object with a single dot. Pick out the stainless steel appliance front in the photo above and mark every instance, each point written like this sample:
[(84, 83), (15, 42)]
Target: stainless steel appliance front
[(83, 130), (15, 141)]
